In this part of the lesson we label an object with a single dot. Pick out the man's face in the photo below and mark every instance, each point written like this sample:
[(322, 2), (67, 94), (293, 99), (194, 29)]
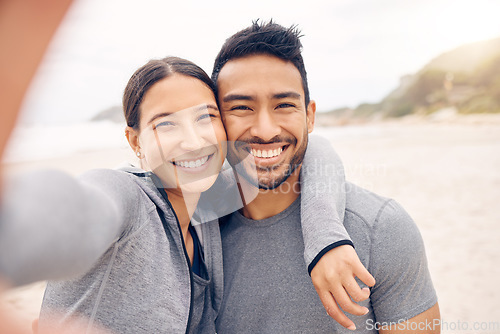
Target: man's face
[(263, 108)]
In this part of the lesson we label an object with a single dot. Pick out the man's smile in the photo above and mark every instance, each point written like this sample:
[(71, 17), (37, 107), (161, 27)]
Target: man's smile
[(266, 153)]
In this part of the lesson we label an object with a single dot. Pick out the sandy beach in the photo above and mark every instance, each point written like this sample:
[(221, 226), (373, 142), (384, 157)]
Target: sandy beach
[(446, 173), (447, 176)]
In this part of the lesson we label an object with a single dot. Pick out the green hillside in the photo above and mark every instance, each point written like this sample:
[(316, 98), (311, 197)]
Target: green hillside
[(466, 78)]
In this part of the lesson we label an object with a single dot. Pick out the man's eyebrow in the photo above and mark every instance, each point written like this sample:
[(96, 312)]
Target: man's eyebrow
[(285, 95), (195, 109), (237, 97)]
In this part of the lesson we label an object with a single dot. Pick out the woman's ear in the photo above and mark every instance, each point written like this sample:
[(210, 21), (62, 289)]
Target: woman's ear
[(133, 140)]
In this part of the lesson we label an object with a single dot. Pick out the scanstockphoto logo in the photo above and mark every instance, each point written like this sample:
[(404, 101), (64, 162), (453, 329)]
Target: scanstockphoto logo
[(446, 326)]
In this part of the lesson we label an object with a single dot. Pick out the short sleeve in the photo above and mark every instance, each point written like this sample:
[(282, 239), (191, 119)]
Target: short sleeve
[(398, 262)]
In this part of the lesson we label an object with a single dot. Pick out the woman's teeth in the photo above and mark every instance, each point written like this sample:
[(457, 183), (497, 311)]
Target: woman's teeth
[(192, 163), (266, 153)]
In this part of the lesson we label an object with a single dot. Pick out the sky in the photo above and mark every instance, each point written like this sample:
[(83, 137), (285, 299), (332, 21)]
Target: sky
[(355, 51)]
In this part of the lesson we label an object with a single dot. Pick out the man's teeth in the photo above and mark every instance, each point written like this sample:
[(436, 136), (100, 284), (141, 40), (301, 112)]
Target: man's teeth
[(192, 163), (266, 153)]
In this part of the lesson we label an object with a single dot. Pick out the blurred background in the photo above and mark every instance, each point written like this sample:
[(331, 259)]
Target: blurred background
[(365, 60), (408, 92)]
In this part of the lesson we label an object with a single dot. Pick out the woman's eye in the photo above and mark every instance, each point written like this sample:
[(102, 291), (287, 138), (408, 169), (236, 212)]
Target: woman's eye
[(206, 116), (164, 125)]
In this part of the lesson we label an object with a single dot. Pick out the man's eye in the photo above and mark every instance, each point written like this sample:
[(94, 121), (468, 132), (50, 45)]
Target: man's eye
[(285, 105), (240, 108)]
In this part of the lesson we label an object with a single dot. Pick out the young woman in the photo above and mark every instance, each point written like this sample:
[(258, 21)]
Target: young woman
[(156, 271), (136, 252)]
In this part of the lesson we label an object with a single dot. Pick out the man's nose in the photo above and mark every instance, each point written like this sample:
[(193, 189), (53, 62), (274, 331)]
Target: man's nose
[(264, 125)]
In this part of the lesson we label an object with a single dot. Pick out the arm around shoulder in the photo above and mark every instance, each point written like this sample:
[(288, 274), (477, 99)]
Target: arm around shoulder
[(322, 201), (329, 254)]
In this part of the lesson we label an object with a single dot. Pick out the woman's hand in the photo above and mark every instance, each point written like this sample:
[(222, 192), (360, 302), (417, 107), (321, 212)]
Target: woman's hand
[(333, 277), (26, 28)]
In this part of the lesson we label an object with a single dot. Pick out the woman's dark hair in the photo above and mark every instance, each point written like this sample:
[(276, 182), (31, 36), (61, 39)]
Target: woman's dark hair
[(264, 38), (152, 72)]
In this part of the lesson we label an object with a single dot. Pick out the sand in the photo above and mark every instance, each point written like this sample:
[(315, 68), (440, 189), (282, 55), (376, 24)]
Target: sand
[(446, 173)]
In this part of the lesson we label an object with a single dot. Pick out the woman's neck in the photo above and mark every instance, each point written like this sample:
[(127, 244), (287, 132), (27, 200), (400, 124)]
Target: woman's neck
[(184, 205)]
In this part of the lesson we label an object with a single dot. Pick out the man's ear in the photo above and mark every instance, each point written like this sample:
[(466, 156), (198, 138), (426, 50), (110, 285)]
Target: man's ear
[(133, 140), (310, 116)]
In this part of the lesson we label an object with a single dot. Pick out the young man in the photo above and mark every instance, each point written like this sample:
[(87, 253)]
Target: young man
[(265, 105)]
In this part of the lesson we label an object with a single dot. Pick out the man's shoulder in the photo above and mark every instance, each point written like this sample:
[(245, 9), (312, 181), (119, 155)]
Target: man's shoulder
[(227, 224), (364, 203), (373, 210)]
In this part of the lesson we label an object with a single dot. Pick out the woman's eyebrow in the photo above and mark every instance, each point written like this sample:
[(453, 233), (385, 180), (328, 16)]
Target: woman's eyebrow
[(160, 115), (209, 106), (199, 108), (203, 107)]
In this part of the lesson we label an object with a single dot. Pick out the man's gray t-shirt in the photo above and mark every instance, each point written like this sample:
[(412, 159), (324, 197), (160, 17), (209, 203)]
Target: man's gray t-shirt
[(267, 288)]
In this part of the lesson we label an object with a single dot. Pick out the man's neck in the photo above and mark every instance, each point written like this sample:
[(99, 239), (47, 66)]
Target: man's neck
[(269, 203)]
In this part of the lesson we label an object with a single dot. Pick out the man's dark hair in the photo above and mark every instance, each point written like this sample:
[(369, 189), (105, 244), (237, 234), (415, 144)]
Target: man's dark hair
[(264, 38)]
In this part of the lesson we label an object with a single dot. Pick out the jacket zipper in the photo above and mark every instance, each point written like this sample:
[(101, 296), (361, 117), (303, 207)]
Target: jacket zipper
[(186, 256)]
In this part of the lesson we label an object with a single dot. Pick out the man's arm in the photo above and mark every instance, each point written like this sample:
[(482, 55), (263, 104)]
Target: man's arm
[(329, 253), (404, 294), (427, 322)]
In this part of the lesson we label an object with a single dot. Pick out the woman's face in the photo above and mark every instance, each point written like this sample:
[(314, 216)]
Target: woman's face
[(181, 137)]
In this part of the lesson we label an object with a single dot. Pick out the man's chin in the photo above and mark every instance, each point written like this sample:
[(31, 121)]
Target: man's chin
[(261, 179), (270, 185), (272, 182)]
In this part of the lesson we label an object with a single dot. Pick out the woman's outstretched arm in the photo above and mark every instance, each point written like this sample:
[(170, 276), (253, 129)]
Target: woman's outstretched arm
[(54, 226)]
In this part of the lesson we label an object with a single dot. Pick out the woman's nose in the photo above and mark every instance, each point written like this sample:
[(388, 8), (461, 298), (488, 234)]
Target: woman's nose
[(192, 138)]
